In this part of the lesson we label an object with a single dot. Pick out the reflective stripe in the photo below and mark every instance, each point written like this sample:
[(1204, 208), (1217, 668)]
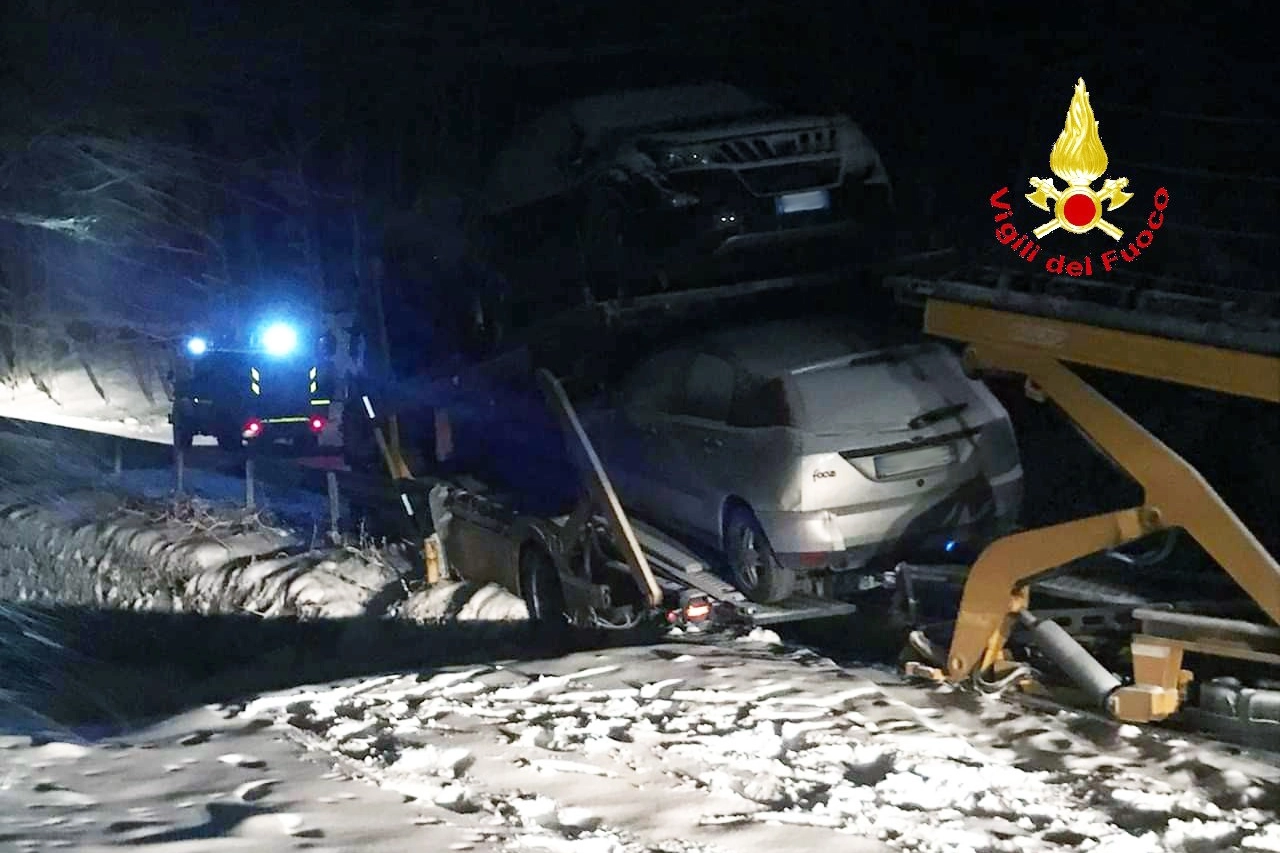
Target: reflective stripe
[(408, 507), (368, 407)]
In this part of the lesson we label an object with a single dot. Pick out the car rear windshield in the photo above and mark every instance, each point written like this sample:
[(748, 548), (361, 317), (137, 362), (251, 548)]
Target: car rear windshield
[(761, 404), (835, 398)]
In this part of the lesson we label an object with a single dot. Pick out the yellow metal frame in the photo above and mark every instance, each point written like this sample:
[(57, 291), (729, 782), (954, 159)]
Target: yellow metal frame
[(1175, 494)]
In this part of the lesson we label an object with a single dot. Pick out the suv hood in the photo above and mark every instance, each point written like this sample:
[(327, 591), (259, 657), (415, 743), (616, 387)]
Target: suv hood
[(729, 129)]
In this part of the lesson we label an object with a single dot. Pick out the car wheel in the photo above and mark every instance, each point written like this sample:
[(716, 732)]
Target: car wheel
[(755, 568), (543, 595)]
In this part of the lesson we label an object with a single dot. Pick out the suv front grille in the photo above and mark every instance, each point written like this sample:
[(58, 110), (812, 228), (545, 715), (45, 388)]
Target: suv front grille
[(770, 180), (772, 146)]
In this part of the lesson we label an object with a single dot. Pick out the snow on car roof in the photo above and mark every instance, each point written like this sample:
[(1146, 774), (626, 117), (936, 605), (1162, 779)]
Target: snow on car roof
[(535, 162), (775, 348), (642, 108)]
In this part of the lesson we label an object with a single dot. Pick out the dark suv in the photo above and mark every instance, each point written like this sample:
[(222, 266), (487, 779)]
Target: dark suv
[(699, 181)]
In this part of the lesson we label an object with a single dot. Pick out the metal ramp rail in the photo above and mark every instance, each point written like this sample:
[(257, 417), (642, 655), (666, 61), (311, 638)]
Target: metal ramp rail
[(1238, 319), (673, 561)]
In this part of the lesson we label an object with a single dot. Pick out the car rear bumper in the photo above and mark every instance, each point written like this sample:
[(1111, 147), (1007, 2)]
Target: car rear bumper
[(960, 525)]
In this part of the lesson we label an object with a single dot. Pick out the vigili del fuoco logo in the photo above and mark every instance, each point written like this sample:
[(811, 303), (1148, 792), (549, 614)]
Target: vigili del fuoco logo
[(1078, 159)]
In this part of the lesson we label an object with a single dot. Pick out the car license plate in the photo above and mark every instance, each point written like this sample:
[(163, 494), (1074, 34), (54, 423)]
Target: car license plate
[(911, 461), (800, 202)]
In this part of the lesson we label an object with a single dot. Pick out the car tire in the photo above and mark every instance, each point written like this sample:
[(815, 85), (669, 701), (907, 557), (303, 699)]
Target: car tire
[(755, 568), (543, 595)]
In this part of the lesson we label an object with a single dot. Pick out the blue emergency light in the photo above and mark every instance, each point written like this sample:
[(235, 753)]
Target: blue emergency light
[(279, 339)]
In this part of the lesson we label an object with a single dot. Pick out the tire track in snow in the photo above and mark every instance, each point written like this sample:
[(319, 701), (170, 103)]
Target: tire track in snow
[(735, 749)]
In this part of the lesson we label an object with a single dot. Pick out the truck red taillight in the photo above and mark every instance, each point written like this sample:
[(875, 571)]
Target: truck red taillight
[(693, 610), (252, 428), (696, 611), (316, 423)]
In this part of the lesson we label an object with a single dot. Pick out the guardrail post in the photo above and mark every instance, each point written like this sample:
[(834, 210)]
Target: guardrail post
[(331, 479), (117, 467), (180, 469), (250, 501)]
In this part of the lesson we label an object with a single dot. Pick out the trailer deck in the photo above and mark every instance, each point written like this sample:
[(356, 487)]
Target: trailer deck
[(677, 564)]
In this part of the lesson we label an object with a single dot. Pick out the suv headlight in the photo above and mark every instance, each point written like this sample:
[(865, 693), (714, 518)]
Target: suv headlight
[(680, 158)]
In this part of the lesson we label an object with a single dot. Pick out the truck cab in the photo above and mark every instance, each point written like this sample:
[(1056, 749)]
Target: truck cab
[(276, 385)]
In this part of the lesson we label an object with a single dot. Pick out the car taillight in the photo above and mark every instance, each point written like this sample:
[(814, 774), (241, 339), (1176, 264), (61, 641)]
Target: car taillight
[(815, 559), (317, 424), (252, 428)]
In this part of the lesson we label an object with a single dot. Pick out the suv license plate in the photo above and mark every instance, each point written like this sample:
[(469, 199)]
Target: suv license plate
[(800, 202)]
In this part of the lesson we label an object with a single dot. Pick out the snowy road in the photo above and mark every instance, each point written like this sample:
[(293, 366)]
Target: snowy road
[(733, 746), (472, 741)]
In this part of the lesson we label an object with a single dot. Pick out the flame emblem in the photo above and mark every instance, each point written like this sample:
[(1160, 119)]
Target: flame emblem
[(1079, 159)]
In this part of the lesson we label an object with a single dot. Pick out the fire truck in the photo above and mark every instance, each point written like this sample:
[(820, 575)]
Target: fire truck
[(274, 383)]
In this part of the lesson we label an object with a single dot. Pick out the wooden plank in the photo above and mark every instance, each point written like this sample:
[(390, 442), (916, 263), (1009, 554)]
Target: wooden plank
[(600, 487)]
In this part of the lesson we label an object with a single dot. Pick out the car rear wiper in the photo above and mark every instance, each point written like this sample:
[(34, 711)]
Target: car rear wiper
[(934, 415)]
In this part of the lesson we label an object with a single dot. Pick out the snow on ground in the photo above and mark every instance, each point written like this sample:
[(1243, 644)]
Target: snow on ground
[(736, 746), (691, 745), (102, 547), (99, 546), (122, 393), (198, 782), (699, 743), (70, 533)]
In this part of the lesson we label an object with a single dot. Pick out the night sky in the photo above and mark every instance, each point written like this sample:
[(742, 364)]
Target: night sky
[(265, 125)]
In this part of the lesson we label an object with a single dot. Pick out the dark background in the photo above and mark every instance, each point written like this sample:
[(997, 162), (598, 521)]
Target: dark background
[(162, 160), (284, 118)]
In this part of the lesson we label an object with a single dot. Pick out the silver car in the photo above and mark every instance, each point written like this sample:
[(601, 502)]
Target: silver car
[(803, 450)]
